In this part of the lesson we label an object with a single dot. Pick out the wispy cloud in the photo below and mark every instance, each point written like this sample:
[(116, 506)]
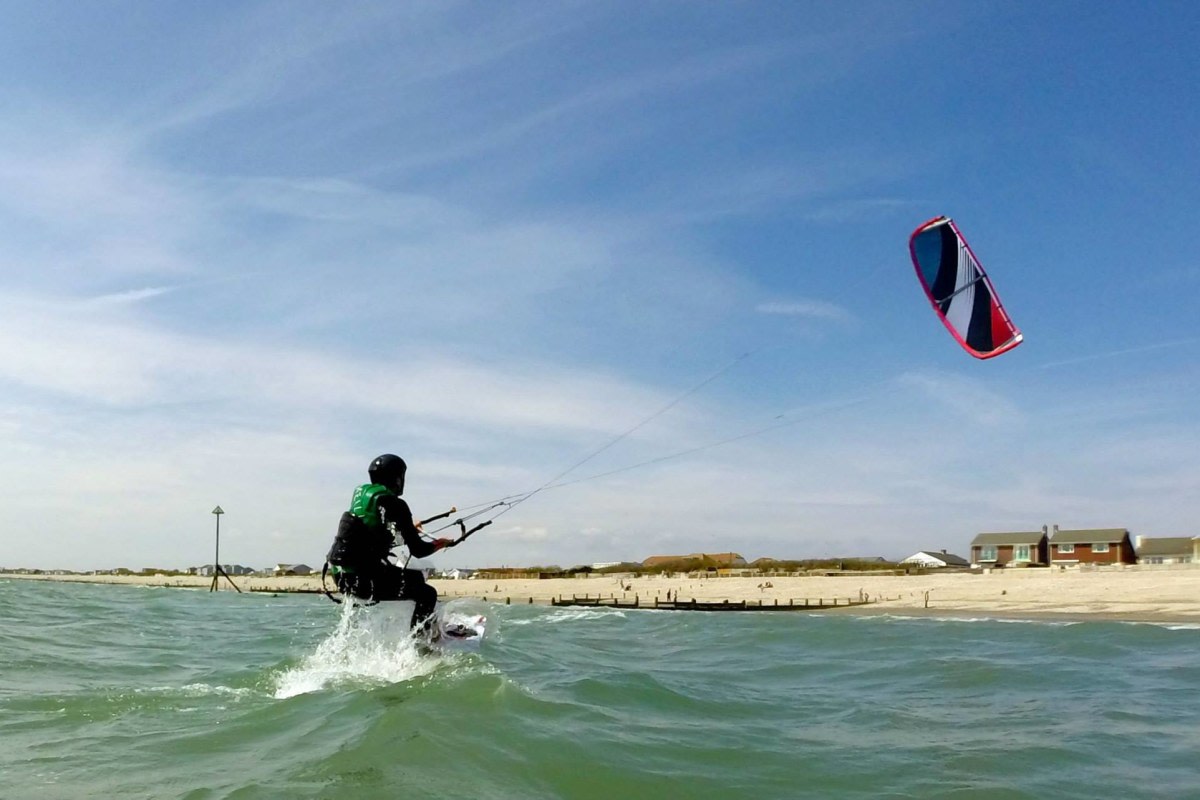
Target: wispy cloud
[(837, 211), (266, 52), (90, 210), (578, 105), (130, 296), (809, 309), (1124, 351), (127, 363), (967, 398)]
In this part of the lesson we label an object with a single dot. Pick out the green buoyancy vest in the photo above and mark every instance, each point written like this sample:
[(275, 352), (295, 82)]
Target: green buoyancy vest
[(365, 503), (361, 539)]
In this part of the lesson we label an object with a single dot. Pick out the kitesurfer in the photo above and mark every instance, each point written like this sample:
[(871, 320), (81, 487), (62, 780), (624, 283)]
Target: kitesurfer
[(377, 521)]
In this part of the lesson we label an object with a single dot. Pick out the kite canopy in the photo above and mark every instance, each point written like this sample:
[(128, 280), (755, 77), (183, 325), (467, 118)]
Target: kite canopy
[(961, 293)]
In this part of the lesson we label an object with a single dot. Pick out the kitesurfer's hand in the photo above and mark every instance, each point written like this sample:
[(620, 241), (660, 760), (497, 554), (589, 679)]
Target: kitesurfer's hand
[(442, 544), (418, 524)]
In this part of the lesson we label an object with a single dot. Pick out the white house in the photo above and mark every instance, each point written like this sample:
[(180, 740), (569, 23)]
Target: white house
[(928, 558), (1165, 549)]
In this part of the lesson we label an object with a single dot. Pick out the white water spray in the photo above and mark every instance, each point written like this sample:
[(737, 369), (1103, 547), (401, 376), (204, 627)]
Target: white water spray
[(369, 645)]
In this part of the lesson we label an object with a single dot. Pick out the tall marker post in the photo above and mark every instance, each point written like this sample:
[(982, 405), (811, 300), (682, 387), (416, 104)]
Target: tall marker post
[(217, 571)]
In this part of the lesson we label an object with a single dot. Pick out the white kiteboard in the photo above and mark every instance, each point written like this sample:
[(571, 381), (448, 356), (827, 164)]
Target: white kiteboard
[(454, 632)]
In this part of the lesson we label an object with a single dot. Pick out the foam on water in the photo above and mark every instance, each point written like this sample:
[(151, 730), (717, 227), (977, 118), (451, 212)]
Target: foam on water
[(1170, 626), (371, 644), (570, 615), (199, 690), (1053, 623), (1041, 622)]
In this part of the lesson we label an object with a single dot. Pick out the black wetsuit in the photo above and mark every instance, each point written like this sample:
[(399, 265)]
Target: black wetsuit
[(365, 536)]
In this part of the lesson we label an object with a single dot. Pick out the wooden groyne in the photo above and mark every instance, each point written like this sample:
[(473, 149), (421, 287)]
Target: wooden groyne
[(792, 604)]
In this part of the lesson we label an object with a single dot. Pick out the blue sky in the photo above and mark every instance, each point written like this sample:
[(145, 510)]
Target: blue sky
[(246, 247)]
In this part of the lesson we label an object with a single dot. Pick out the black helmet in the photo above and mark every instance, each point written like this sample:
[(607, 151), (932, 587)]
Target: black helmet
[(388, 470)]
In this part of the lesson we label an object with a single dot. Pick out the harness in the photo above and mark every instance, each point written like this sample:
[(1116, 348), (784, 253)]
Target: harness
[(371, 505)]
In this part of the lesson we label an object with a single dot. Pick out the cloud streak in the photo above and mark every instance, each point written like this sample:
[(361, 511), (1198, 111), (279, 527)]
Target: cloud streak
[(1124, 351), (809, 309)]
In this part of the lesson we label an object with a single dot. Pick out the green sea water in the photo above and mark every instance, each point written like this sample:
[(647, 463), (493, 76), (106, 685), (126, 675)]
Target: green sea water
[(128, 692)]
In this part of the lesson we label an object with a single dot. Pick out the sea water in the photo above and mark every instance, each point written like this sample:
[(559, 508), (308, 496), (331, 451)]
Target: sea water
[(118, 691)]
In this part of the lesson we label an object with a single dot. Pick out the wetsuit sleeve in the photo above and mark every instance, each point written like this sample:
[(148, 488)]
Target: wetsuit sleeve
[(395, 514)]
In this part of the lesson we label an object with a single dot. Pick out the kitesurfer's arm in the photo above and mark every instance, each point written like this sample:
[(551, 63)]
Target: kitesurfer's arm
[(396, 516)]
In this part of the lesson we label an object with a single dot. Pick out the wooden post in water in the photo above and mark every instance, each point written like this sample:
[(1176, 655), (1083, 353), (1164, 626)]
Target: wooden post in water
[(217, 553), (217, 571)]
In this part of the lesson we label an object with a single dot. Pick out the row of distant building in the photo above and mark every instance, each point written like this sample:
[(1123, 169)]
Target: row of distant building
[(1048, 547), (1052, 547), (278, 570)]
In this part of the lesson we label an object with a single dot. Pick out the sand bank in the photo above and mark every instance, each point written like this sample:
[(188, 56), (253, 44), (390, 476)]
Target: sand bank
[(1134, 593)]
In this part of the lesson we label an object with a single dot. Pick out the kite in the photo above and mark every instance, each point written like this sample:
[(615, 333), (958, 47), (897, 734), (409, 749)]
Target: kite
[(961, 292)]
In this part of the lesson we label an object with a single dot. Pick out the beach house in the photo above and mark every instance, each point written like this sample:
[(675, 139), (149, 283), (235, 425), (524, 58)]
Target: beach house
[(711, 560), (1015, 548), (936, 559), (206, 570), (1165, 549), (1091, 546), (292, 569)]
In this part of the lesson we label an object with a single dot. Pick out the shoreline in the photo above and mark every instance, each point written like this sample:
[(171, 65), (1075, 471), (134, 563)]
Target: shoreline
[(1165, 594)]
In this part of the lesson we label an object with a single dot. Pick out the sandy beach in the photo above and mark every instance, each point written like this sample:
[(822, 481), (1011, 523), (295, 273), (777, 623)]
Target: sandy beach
[(1133, 593)]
